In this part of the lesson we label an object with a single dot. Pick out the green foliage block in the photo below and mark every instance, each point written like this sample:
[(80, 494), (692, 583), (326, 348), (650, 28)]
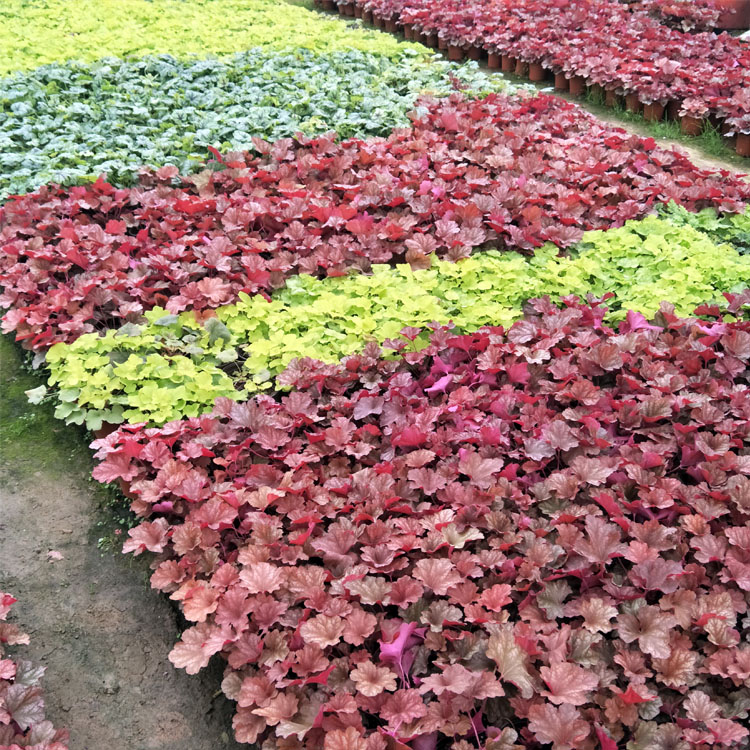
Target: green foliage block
[(173, 366), (36, 32), (71, 122)]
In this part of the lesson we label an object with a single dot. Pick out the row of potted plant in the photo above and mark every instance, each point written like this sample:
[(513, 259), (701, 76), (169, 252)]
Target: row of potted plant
[(625, 54)]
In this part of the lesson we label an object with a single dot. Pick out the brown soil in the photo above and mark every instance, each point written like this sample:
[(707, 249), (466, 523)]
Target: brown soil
[(94, 623)]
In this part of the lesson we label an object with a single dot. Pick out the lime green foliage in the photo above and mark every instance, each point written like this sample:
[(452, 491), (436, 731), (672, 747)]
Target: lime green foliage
[(104, 377), (71, 122), (733, 229), (35, 32), (173, 366)]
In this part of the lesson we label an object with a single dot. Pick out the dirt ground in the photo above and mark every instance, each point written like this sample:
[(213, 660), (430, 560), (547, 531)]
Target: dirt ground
[(94, 623)]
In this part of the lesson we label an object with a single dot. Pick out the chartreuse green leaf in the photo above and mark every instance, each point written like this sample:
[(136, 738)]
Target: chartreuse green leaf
[(36, 32), (176, 367), (68, 123)]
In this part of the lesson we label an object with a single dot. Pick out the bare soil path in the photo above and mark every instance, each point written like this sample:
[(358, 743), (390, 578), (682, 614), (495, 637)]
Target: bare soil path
[(94, 623)]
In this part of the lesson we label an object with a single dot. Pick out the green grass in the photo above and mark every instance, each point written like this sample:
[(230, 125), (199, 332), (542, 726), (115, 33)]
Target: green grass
[(30, 437), (32, 440)]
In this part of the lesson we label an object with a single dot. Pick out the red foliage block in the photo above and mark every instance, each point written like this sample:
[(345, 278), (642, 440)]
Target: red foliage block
[(505, 540), (22, 722), (500, 171)]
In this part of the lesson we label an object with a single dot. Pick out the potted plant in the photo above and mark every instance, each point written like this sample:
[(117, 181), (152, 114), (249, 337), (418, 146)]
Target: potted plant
[(736, 111), (455, 52), (654, 98), (391, 24), (692, 113)]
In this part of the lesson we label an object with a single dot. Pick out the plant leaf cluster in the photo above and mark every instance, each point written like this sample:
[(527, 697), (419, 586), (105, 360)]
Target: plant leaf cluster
[(603, 42), (22, 714), (730, 229), (503, 171), (543, 534), (38, 32)]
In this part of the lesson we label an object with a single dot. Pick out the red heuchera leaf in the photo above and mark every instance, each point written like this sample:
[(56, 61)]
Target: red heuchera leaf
[(345, 739), (437, 574), (568, 683), (511, 660), (147, 536), (322, 630), (496, 597), (454, 678), (401, 707), (562, 726), (371, 680), (400, 651), (602, 541), (632, 696), (480, 470), (605, 741), (576, 591), (196, 648)]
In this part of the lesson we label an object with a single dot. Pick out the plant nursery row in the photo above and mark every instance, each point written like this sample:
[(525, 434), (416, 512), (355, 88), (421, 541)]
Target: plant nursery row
[(619, 51), (175, 366), (523, 529), (513, 171)]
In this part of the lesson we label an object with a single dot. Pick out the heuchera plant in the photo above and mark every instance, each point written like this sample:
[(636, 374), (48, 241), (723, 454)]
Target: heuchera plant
[(515, 171), (220, 103), (100, 28), (22, 722), (736, 110), (509, 540), (694, 107)]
